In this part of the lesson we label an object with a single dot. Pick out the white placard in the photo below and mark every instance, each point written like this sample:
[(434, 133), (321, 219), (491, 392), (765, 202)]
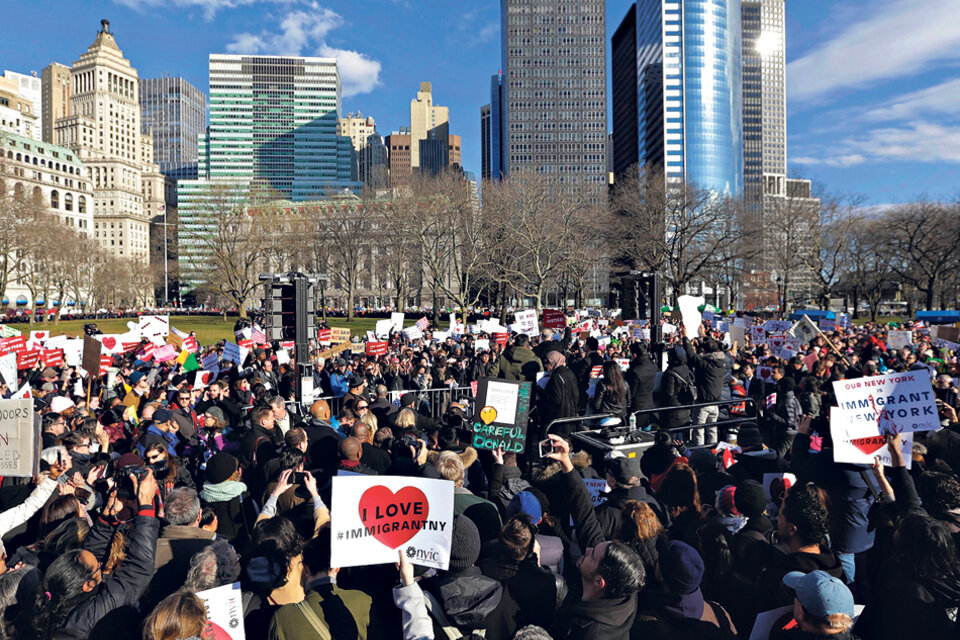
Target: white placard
[(481, 344), (691, 317), (19, 441), (8, 370), (888, 404), (859, 443), (396, 321), (383, 327), (375, 516), (777, 326), (526, 322), (224, 607), (154, 327), (283, 356), (503, 398), (899, 339)]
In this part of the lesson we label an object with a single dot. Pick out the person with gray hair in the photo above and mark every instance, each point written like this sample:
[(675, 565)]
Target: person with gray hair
[(284, 419), (179, 541)]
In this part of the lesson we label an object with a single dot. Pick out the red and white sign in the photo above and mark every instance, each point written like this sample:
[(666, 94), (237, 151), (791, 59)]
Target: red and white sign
[(27, 359), (52, 357), (323, 336), (376, 348), (887, 404), (376, 517), (15, 344), (501, 338), (554, 319), (190, 345), (858, 442), (105, 363), (596, 371), (245, 344)]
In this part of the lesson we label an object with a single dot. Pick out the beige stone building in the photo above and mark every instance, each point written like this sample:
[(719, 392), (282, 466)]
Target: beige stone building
[(55, 86), (103, 129), (17, 112), (427, 121)]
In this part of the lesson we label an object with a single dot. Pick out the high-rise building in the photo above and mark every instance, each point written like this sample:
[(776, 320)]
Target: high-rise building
[(174, 112), (28, 87), (398, 150), (427, 121), (438, 154), (55, 92), (497, 133), (103, 129), (683, 87), (554, 80), (368, 157), (273, 131), (485, 142)]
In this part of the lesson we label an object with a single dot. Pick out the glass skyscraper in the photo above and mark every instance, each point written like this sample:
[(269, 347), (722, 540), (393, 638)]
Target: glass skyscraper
[(175, 112), (273, 130), (682, 89)]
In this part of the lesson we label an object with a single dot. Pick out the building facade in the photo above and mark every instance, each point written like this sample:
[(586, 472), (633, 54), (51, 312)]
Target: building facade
[(28, 87), (485, 142), (103, 129), (686, 75), (52, 176), (273, 132), (55, 91), (174, 112), (427, 121), (398, 150), (368, 156), (554, 91)]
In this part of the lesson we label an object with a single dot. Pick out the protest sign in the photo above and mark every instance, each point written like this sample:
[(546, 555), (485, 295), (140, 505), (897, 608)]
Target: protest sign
[(165, 353), (203, 378), (946, 344), (210, 360), (738, 334), (39, 336), (190, 345), (332, 351), (758, 335), (501, 338), (858, 442), (944, 332), (175, 340), (668, 328), (56, 342), (52, 357), (154, 327), (708, 315), (481, 344), (73, 352), (376, 349), (777, 326), (413, 332), (6, 331), (775, 485), (15, 344), (19, 441), (500, 415), (28, 359), (804, 330), (691, 316), (597, 488), (526, 322), (283, 356), (91, 355), (113, 343), (105, 362), (231, 353), (597, 371), (374, 516), (339, 335), (323, 336), (438, 336), (826, 325), (224, 607), (554, 319), (765, 372), (899, 339), (382, 328), (8, 369), (396, 321), (888, 404)]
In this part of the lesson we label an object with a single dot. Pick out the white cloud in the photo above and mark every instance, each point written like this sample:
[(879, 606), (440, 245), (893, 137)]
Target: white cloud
[(917, 141), (898, 38), (303, 31), (941, 99), (209, 7), (358, 73), (836, 161)]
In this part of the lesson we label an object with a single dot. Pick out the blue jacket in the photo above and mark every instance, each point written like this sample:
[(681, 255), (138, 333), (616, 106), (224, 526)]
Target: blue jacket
[(339, 385), (153, 434)]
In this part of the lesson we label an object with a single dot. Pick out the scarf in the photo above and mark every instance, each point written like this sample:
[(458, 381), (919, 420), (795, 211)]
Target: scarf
[(222, 491), (556, 359)]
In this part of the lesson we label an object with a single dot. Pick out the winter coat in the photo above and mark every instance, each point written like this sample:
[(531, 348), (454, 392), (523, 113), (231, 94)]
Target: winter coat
[(670, 389), (560, 399), (641, 378), (603, 400), (710, 369), (482, 512), (346, 613), (517, 363), (772, 593), (470, 600), (538, 592), (610, 512)]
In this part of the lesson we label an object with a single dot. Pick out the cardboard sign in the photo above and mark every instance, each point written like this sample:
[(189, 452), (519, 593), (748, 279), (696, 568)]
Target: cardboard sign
[(887, 404), (154, 327), (224, 607), (339, 335), (526, 322), (554, 319), (500, 415), (899, 339), (376, 349), (691, 316), (19, 441), (91, 355), (375, 516), (943, 332), (858, 442)]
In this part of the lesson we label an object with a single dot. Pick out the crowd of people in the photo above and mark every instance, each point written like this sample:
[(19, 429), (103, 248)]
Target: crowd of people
[(156, 487)]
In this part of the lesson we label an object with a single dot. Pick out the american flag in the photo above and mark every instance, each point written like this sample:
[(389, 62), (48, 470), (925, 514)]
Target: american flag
[(918, 325), (422, 323), (258, 336)]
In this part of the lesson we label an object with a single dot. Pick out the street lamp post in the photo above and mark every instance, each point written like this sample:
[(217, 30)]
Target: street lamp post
[(781, 302)]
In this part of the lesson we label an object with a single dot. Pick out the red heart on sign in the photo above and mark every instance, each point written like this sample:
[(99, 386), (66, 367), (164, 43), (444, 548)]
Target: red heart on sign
[(40, 335), (869, 445), (109, 343), (394, 518)]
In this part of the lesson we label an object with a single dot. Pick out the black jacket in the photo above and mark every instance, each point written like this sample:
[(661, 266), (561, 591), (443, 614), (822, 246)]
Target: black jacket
[(641, 378), (537, 591), (235, 519), (560, 399), (375, 458), (471, 600), (610, 512), (582, 368), (93, 617), (709, 369), (603, 400), (670, 388)]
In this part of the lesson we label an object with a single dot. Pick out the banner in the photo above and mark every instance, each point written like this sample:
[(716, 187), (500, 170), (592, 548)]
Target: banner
[(376, 349), (887, 404), (691, 316), (500, 415), (375, 516), (554, 319), (19, 441), (224, 607)]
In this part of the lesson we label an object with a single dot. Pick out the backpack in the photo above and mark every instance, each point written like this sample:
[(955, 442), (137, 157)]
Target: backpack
[(435, 609), (688, 391)]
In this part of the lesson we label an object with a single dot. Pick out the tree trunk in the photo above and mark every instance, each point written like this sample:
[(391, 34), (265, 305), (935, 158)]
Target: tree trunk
[(350, 294), (929, 292)]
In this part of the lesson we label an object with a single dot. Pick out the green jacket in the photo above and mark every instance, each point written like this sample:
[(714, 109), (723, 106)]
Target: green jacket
[(345, 612), (517, 363)]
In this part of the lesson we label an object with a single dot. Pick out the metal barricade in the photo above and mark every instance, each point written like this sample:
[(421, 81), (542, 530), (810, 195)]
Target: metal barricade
[(430, 402)]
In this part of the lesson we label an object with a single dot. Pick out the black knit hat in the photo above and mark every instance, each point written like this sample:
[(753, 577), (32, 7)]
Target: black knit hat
[(220, 467), (750, 498), (464, 544)]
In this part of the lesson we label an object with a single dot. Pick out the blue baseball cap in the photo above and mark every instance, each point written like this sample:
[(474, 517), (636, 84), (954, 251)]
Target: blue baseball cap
[(525, 502), (820, 593)]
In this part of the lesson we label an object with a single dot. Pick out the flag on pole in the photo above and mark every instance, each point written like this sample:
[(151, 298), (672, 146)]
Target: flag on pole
[(422, 323), (258, 336)]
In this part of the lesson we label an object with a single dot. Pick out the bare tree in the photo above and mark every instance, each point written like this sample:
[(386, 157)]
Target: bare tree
[(790, 227), (868, 262), (830, 248)]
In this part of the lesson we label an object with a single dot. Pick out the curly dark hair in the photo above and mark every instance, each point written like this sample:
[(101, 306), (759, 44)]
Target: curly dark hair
[(939, 492), (803, 509)]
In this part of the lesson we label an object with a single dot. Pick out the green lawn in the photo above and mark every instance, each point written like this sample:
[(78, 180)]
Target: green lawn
[(210, 329)]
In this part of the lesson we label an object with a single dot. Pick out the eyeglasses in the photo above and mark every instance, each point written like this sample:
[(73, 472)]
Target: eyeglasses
[(155, 458), (363, 407)]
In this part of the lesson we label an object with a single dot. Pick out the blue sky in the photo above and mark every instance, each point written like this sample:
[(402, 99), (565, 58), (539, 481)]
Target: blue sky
[(873, 85)]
